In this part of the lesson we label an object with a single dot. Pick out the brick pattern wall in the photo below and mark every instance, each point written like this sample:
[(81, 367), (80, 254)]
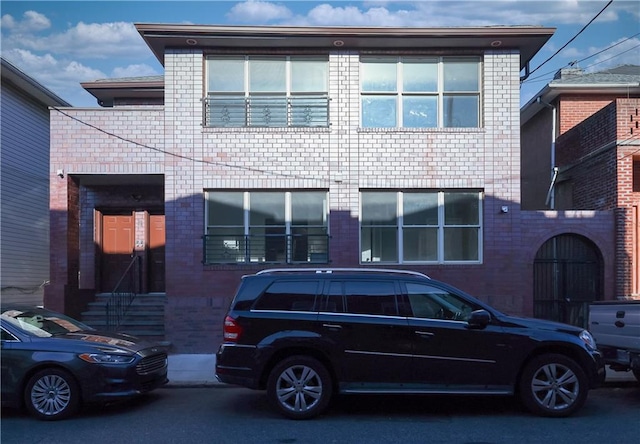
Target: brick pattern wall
[(343, 159), (573, 109), (597, 157)]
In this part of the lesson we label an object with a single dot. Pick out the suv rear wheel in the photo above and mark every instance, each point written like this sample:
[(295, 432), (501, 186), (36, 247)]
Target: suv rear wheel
[(553, 385), (299, 387)]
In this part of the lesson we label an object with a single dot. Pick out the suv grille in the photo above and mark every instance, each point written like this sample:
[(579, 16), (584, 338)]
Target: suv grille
[(151, 364)]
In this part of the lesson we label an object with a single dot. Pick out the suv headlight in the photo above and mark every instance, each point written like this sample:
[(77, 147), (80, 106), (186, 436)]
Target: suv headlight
[(586, 337), (106, 358)]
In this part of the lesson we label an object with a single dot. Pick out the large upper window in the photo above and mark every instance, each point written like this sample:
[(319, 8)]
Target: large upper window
[(285, 91), (420, 92), (269, 226), (421, 226)]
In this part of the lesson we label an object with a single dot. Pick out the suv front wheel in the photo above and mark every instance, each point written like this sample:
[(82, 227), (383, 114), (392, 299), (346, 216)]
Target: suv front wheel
[(299, 387), (553, 385)]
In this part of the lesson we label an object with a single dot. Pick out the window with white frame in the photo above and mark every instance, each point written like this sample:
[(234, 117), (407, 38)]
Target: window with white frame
[(266, 226), (420, 92), (267, 91), (421, 226)]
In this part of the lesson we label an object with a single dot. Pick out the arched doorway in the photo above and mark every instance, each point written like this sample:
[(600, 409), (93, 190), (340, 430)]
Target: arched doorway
[(567, 276)]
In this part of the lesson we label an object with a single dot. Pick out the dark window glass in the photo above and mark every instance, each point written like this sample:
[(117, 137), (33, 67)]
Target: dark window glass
[(335, 299), (289, 296), (371, 297)]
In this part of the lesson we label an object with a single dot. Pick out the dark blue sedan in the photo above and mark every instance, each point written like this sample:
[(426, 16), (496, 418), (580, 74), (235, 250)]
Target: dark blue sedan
[(52, 363)]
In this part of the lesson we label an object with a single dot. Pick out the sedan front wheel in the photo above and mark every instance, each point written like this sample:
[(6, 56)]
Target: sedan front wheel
[(52, 394), (553, 385)]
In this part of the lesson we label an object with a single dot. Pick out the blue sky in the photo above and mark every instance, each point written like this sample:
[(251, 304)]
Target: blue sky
[(63, 43)]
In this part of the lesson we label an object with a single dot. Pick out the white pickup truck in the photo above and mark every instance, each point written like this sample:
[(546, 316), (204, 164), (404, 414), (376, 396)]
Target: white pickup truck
[(615, 325)]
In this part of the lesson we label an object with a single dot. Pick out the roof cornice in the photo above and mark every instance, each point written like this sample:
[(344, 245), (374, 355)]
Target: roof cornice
[(526, 39), (29, 86)]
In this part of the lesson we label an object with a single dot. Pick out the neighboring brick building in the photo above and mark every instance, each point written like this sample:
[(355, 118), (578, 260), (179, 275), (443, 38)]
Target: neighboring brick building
[(283, 146), (586, 125)]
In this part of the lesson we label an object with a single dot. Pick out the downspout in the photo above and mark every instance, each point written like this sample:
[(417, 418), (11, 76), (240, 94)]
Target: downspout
[(551, 194)]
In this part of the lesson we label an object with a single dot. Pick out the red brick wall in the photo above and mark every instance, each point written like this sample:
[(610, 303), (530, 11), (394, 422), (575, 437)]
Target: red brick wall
[(573, 109), (597, 157)]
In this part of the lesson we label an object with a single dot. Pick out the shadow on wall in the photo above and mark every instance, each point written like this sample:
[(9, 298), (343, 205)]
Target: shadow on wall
[(198, 293)]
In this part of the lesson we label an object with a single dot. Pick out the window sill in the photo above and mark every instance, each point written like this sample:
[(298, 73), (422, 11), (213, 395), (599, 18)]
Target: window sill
[(421, 130)]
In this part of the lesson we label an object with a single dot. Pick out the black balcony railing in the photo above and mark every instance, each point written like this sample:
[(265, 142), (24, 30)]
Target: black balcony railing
[(266, 111), (266, 248)]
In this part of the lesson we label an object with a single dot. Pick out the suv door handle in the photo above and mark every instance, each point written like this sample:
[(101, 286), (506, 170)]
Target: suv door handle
[(426, 334), (333, 326)]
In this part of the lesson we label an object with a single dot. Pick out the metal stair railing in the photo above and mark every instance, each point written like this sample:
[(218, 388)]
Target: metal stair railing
[(121, 299)]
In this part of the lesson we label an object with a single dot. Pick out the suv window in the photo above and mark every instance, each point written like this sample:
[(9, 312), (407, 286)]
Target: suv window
[(434, 303), (371, 297), (289, 296)]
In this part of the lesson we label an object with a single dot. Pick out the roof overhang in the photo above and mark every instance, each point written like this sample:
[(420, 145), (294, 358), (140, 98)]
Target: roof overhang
[(526, 39), (105, 91), (548, 95), (28, 85)]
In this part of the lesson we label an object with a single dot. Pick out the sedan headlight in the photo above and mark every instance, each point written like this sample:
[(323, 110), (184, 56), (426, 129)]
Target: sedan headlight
[(106, 358), (588, 339)]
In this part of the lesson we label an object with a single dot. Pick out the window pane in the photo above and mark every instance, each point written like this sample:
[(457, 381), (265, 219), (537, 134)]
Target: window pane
[(461, 75), (225, 245), (420, 208), (226, 75), (461, 244), (419, 112), (376, 298), (309, 245), (379, 244), (289, 296), (268, 244), (267, 209), (226, 208), (461, 209), (378, 112), (267, 75), (461, 111), (420, 244), (309, 75), (419, 76), (379, 208), (309, 208), (227, 111), (268, 111), (379, 75)]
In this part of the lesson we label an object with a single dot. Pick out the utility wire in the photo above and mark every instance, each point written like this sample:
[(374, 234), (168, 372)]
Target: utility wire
[(573, 38), (532, 79)]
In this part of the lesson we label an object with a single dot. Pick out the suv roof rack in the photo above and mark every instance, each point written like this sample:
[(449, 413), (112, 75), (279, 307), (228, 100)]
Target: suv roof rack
[(341, 270)]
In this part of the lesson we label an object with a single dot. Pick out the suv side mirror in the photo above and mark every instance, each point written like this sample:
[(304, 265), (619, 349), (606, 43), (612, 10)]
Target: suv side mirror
[(478, 319)]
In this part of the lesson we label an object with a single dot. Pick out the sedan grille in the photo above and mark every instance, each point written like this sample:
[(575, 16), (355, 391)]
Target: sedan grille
[(151, 364)]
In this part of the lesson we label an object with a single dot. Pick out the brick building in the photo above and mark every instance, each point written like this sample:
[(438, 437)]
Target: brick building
[(284, 146), (586, 125)]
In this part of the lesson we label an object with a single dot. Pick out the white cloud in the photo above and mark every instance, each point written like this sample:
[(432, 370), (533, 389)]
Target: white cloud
[(32, 22), (137, 70), (258, 11), (624, 53)]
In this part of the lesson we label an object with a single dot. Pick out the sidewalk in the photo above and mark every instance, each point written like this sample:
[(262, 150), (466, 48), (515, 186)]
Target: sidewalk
[(199, 370)]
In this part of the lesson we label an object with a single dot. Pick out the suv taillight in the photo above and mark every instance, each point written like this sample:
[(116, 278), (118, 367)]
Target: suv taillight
[(232, 330)]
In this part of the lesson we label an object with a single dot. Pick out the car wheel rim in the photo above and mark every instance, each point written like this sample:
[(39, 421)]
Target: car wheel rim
[(299, 388), (50, 395), (555, 387)]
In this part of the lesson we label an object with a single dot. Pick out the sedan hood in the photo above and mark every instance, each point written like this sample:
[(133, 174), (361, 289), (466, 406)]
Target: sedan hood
[(106, 339)]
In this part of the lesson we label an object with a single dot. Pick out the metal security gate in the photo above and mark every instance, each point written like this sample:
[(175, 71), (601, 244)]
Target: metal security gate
[(567, 276)]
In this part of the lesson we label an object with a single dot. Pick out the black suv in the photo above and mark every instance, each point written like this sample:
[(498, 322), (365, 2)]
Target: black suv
[(305, 334)]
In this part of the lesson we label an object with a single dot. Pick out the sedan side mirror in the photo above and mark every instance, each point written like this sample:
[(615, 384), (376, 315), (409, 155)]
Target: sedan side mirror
[(478, 319)]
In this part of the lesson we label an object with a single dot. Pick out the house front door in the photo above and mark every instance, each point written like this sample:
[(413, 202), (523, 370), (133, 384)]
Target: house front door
[(118, 237)]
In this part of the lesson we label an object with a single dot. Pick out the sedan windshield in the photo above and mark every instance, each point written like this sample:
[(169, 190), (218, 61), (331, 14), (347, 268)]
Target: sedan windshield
[(41, 322)]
